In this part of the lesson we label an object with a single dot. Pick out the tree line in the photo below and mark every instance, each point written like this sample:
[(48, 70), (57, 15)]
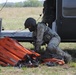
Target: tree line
[(28, 3)]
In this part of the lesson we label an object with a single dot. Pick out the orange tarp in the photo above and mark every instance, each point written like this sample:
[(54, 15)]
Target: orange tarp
[(12, 52), (57, 61)]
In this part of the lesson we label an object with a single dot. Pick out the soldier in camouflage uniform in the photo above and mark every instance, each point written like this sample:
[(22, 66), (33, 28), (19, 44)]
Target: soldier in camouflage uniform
[(49, 12), (42, 33)]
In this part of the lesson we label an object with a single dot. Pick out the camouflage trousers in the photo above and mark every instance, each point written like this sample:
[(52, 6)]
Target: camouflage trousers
[(53, 47)]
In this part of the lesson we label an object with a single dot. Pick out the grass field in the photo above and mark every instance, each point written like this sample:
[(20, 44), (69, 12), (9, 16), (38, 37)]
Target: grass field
[(13, 18)]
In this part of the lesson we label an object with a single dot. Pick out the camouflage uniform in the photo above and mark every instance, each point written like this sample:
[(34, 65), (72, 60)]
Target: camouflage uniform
[(45, 34)]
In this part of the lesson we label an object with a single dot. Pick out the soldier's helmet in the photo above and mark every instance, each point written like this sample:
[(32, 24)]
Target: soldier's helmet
[(30, 23)]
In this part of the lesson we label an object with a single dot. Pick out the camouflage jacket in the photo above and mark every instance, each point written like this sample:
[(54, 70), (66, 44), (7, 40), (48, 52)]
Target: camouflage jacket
[(43, 34)]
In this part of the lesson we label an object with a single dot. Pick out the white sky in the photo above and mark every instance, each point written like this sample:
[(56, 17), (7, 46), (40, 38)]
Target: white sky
[(1, 1)]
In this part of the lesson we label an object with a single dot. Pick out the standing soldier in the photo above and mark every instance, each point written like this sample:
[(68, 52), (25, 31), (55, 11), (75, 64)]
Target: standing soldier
[(49, 12), (42, 33)]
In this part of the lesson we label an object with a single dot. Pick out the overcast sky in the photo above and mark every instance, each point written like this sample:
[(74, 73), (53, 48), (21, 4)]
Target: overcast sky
[(1, 1)]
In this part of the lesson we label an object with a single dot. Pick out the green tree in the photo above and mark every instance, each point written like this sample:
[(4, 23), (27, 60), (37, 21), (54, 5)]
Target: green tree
[(18, 4)]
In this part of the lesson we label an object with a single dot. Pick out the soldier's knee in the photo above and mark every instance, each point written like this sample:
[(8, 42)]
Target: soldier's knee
[(51, 47)]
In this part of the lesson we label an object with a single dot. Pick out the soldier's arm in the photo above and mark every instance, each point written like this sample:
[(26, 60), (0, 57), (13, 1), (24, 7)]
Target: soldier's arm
[(40, 33)]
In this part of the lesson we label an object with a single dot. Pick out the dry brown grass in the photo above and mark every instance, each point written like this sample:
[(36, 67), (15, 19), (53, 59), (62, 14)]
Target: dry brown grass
[(20, 12), (13, 18), (42, 70)]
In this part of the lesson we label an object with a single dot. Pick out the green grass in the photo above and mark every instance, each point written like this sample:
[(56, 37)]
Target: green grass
[(13, 18), (41, 70), (73, 64)]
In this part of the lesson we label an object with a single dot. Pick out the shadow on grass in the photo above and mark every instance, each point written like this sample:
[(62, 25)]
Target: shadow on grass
[(72, 52)]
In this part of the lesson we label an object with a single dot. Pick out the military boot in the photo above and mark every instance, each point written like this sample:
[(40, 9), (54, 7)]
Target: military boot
[(67, 57)]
